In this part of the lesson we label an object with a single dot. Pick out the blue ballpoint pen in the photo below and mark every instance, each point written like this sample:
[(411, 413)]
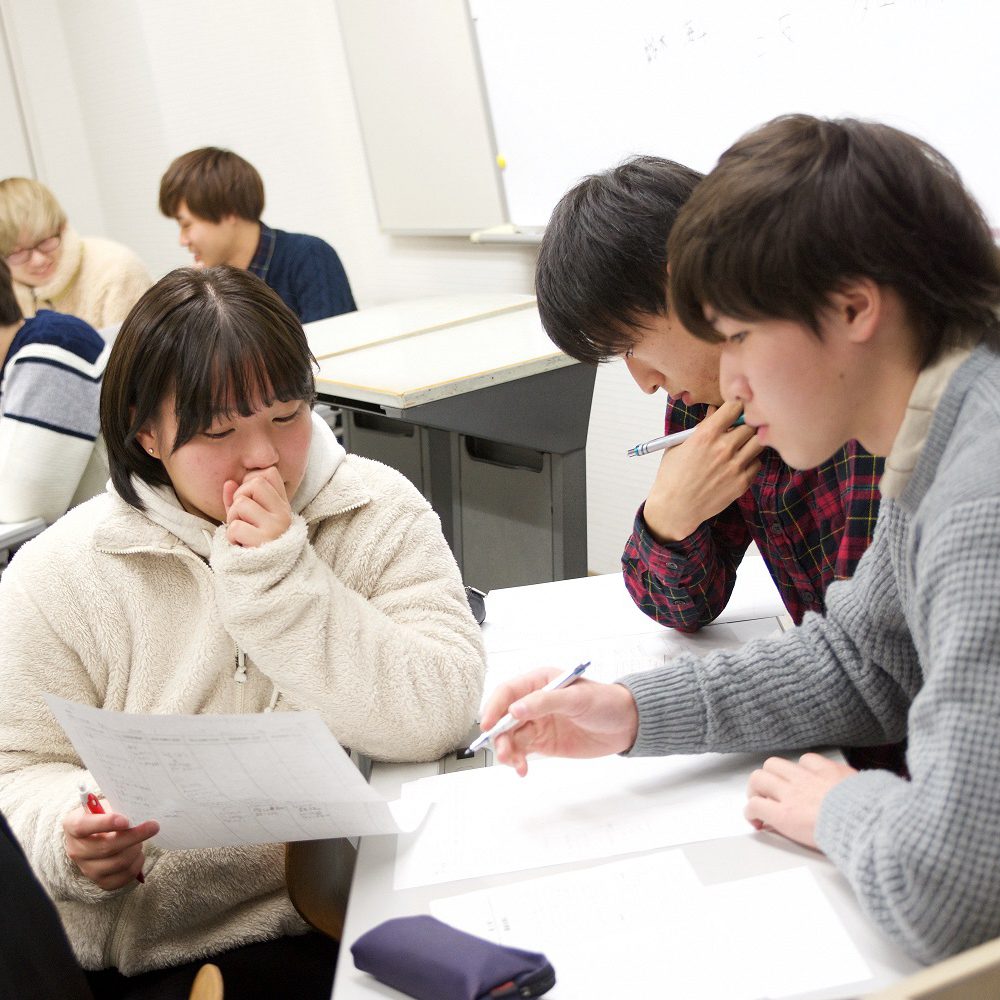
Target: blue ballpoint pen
[(509, 722), (668, 441)]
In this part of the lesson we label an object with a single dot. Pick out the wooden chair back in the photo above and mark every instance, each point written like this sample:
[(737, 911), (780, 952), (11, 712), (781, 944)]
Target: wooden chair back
[(971, 975), (318, 873)]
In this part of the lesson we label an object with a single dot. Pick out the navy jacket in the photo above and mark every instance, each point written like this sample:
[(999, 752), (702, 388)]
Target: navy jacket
[(305, 271)]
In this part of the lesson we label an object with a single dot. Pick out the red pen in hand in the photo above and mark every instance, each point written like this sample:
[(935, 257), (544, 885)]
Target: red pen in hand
[(92, 804)]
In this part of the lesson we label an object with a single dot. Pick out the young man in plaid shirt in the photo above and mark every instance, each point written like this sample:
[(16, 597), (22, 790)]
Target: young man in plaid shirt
[(601, 282)]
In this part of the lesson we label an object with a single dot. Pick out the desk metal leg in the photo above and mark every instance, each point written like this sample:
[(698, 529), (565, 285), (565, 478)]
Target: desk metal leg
[(569, 515), (444, 491)]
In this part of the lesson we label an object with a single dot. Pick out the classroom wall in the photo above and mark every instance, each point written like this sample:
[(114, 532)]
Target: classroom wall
[(113, 90), (53, 120), (15, 155)]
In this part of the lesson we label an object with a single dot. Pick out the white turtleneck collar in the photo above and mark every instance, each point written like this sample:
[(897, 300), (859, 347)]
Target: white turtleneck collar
[(164, 509)]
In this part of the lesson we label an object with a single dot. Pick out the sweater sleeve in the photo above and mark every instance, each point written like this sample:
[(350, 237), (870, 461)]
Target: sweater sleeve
[(924, 856), (843, 679), (40, 771), (48, 426), (685, 584), (396, 670)]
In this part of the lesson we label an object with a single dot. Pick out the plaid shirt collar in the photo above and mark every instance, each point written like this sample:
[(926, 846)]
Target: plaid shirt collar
[(265, 251)]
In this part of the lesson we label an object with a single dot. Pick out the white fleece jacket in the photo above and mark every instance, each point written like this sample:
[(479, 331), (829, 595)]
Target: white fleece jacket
[(357, 610), (96, 279)]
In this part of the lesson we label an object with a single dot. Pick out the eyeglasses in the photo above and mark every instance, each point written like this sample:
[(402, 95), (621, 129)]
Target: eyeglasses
[(49, 245)]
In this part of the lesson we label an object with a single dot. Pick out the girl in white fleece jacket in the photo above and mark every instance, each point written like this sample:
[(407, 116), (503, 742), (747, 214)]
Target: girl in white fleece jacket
[(239, 561)]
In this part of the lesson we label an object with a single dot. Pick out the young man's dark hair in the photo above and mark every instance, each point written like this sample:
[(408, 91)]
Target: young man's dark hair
[(10, 311), (213, 183), (827, 200), (602, 264), (218, 325)]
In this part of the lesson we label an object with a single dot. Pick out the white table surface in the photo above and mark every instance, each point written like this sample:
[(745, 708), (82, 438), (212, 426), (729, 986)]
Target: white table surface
[(399, 370), (587, 606), (408, 318)]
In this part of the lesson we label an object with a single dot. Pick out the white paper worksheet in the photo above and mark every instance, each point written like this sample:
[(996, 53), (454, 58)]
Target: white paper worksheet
[(594, 619), (616, 929), (599, 607), (217, 780), (488, 820), (612, 657)]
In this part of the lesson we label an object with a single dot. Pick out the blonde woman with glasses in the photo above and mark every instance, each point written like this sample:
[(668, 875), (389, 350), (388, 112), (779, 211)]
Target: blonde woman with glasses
[(53, 267)]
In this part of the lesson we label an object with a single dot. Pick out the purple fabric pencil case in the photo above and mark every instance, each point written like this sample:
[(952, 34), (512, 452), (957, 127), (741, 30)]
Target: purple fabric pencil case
[(431, 960)]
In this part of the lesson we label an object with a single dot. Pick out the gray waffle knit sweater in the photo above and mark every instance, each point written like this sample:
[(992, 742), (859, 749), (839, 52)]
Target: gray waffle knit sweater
[(910, 646)]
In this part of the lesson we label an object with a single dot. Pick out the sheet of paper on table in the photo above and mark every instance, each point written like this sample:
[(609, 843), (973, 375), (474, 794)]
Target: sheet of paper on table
[(598, 607), (218, 780), (612, 657), (614, 929), (488, 820), (595, 619)]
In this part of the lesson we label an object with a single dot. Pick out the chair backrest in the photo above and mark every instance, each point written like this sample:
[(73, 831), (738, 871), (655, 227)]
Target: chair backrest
[(14, 533), (318, 874), (972, 975)]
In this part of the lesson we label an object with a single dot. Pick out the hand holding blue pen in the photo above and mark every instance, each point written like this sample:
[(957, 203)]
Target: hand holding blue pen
[(508, 722), (668, 441)]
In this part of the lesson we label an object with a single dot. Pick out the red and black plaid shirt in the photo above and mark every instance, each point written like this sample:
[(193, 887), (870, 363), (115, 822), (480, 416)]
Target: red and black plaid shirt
[(811, 528)]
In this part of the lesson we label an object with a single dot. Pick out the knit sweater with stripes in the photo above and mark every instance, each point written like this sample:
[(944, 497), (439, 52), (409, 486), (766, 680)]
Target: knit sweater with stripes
[(51, 454)]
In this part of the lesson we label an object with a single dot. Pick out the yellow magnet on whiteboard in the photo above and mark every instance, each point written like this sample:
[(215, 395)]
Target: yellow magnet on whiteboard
[(501, 162)]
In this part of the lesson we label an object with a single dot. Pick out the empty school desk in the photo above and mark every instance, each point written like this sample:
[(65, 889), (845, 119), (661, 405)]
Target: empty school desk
[(469, 399), (553, 623)]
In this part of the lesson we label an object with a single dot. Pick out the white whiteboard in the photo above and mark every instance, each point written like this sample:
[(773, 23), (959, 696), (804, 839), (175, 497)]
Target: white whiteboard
[(421, 108), (574, 86)]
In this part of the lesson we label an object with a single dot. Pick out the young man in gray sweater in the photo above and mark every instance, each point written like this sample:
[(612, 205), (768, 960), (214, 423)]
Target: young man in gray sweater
[(854, 286)]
